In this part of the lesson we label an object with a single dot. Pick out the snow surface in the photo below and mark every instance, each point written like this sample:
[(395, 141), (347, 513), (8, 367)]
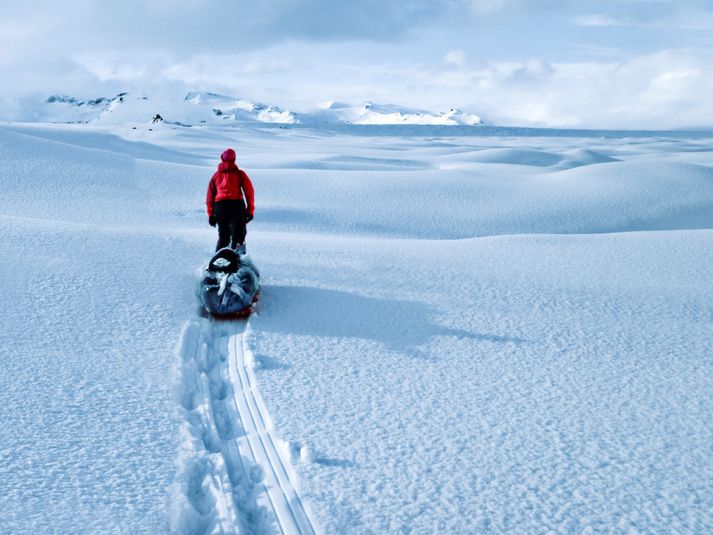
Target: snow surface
[(459, 331)]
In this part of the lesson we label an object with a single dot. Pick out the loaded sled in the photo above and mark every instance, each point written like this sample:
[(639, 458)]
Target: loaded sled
[(230, 285)]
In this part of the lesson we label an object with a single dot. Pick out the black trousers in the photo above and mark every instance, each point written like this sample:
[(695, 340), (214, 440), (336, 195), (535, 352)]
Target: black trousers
[(230, 216)]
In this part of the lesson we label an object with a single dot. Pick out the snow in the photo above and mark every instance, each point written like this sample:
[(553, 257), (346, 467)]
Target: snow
[(205, 108), (197, 108), (459, 330), (386, 114), (369, 113)]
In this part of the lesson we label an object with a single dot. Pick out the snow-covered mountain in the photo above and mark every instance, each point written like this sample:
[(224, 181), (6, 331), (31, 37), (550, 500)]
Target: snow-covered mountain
[(67, 109), (205, 108), (371, 113), (195, 109), (238, 109)]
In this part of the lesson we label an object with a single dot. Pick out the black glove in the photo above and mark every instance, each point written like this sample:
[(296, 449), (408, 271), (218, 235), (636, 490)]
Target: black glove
[(211, 220), (248, 218)]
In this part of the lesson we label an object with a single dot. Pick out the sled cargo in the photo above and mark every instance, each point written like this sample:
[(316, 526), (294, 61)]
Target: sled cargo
[(230, 285)]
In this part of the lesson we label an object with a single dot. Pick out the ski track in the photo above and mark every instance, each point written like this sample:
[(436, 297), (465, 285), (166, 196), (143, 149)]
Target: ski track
[(243, 482)]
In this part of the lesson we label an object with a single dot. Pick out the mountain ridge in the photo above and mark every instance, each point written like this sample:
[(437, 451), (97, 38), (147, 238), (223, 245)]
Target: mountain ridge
[(209, 108)]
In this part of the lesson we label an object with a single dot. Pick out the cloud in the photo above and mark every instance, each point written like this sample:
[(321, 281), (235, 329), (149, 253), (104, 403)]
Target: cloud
[(689, 16), (595, 50), (579, 63), (361, 19), (202, 25), (92, 44), (487, 7), (597, 20), (456, 57), (666, 89), (663, 90)]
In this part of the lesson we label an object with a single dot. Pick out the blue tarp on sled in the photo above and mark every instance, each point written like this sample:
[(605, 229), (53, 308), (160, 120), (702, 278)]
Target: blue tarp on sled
[(229, 285)]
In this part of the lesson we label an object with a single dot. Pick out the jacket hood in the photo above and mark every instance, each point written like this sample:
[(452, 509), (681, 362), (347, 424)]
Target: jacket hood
[(227, 167)]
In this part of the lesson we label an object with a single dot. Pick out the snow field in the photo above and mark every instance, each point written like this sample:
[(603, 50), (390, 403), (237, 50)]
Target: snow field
[(454, 334), (499, 391), (87, 428)]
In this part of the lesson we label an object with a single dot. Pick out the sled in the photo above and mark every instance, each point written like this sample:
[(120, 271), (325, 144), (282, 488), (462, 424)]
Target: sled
[(230, 285)]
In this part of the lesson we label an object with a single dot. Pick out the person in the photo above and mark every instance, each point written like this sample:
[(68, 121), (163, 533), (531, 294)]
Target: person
[(230, 203)]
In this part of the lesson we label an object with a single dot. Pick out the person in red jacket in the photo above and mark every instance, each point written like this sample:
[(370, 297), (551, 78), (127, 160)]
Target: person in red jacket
[(229, 190)]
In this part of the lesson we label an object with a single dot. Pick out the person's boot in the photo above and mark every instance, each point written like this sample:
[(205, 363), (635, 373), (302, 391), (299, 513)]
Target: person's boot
[(240, 249)]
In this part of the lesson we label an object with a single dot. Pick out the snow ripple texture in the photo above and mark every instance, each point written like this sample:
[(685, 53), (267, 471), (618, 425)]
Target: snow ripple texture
[(236, 475)]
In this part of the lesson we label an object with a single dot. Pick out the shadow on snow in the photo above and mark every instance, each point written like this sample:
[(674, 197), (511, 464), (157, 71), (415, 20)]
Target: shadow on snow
[(397, 324)]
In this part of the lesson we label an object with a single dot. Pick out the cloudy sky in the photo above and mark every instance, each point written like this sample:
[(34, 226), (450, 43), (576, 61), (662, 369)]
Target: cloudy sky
[(590, 63)]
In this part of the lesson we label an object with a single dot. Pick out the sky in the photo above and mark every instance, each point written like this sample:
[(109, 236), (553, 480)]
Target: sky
[(567, 63)]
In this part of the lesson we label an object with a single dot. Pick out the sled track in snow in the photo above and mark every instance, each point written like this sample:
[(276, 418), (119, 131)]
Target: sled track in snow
[(260, 444), (243, 482)]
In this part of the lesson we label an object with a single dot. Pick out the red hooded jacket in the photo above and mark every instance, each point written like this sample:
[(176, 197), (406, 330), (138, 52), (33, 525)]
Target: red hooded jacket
[(229, 182)]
